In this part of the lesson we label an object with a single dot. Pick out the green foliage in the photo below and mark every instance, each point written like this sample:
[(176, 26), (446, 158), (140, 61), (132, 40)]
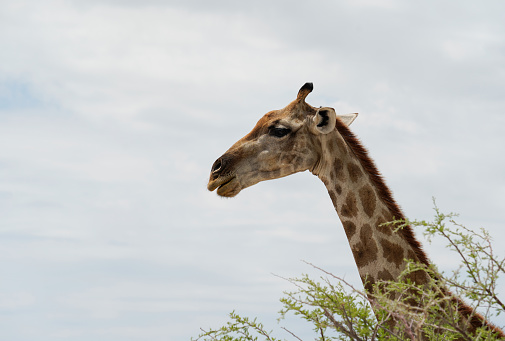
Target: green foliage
[(335, 313), (395, 310), (478, 260), (238, 329)]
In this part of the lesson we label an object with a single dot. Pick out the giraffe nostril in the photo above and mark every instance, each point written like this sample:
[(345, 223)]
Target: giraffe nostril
[(217, 165)]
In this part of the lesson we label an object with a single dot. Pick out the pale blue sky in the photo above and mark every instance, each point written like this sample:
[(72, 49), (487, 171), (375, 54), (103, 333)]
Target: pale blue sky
[(112, 113)]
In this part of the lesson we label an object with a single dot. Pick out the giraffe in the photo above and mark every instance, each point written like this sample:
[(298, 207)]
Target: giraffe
[(301, 137)]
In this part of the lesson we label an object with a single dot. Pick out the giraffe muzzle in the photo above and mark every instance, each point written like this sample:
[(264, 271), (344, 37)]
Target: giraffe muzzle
[(221, 177)]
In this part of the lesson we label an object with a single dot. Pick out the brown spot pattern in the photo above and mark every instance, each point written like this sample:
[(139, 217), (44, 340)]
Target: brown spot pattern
[(387, 215), (386, 229), (333, 197), (354, 171), (338, 188), (368, 283), (349, 228), (361, 154), (339, 169), (366, 250), (385, 275), (392, 252), (411, 255), (368, 200), (350, 208), (418, 277)]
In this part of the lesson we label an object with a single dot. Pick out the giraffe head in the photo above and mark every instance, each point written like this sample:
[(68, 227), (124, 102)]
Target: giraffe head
[(283, 142)]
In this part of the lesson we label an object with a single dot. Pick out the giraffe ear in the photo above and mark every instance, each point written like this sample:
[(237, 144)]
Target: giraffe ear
[(324, 120), (347, 119)]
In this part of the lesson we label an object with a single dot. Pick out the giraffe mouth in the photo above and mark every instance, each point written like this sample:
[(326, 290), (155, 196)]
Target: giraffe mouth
[(226, 187)]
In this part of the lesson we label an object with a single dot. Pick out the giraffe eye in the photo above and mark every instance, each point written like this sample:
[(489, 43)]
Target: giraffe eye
[(279, 131)]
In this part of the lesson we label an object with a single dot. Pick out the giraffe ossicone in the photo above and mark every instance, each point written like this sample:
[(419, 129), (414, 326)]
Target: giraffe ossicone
[(301, 137)]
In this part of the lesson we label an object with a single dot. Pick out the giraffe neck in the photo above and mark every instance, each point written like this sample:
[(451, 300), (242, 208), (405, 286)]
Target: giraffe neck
[(363, 203)]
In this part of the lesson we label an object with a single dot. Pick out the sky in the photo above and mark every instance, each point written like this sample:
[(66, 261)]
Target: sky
[(113, 112)]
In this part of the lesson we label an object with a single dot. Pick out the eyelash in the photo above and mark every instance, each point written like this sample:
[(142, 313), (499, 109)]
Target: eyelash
[(279, 132)]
